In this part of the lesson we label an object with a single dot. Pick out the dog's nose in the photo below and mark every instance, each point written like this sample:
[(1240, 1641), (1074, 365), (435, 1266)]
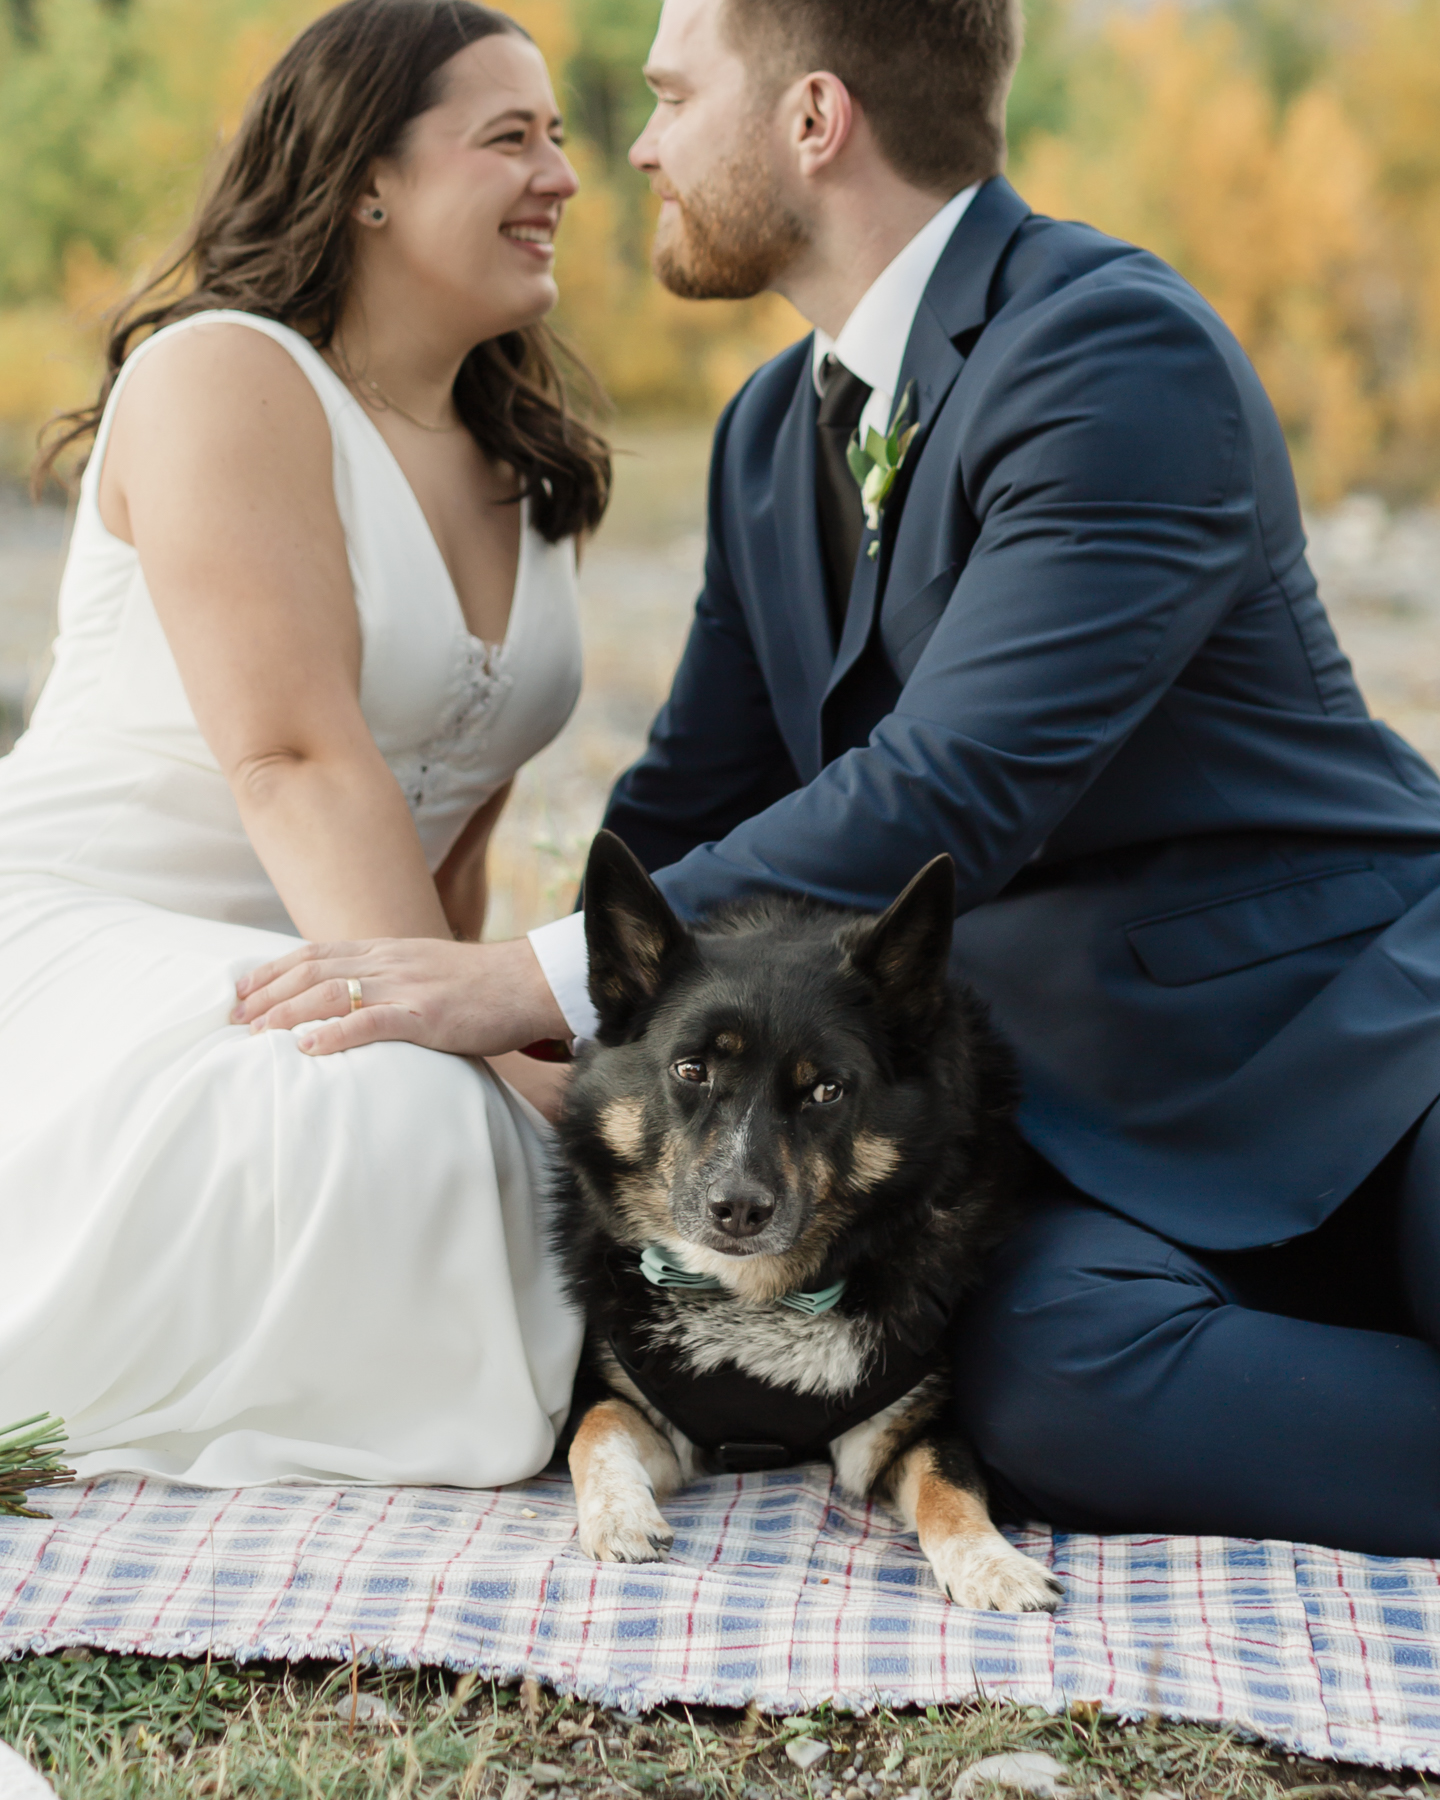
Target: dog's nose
[(742, 1209)]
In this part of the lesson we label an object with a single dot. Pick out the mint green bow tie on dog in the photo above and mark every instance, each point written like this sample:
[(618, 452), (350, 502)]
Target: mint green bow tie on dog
[(660, 1272)]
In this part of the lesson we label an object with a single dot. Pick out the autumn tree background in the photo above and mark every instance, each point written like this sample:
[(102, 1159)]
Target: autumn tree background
[(1283, 154)]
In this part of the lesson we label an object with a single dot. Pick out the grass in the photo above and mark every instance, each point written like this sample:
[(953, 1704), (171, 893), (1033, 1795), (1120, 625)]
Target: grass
[(105, 1727)]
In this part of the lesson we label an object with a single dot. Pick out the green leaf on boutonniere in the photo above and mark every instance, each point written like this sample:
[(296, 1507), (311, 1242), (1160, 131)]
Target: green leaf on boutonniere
[(28, 1459), (877, 462)]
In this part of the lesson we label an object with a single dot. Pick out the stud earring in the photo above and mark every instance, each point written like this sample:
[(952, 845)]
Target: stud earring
[(377, 215)]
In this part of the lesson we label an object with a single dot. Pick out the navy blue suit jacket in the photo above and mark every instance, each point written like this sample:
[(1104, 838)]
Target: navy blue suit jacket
[(1199, 884)]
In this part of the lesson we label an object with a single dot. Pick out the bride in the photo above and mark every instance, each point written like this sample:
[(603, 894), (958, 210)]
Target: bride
[(319, 608)]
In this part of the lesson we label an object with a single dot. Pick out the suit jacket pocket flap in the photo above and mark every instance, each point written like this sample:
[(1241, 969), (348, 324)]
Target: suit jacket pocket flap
[(1253, 928)]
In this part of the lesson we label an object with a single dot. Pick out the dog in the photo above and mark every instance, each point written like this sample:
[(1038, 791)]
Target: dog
[(783, 1159)]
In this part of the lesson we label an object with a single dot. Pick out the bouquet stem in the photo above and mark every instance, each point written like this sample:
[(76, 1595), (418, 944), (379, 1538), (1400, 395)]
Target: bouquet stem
[(29, 1459)]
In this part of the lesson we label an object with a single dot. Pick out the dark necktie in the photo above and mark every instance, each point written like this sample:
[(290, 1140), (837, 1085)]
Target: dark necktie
[(837, 493)]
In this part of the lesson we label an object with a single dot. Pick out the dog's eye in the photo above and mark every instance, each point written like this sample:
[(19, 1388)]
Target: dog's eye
[(825, 1093), (689, 1068)]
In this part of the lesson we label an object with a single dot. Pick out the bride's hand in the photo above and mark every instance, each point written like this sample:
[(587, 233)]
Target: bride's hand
[(470, 999)]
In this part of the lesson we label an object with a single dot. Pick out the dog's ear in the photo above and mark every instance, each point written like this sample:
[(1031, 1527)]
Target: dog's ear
[(905, 953), (634, 939)]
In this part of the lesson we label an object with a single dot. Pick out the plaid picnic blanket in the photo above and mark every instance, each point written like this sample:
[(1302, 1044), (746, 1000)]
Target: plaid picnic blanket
[(779, 1589)]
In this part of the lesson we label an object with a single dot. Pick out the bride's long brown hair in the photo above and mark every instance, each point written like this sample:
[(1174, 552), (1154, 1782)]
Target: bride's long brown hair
[(274, 237)]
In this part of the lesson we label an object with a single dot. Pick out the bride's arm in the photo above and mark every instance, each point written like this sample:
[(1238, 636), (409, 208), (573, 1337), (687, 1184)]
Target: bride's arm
[(218, 471)]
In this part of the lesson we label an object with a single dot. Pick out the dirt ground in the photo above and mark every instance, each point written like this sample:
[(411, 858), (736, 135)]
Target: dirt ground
[(1379, 574)]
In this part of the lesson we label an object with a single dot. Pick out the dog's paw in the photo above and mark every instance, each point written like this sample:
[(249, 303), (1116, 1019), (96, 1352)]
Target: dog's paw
[(632, 1529), (987, 1574)]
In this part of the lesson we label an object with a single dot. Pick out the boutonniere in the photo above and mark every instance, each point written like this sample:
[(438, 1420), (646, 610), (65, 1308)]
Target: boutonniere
[(877, 462)]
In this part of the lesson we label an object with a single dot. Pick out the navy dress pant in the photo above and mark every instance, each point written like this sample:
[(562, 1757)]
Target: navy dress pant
[(1114, 1381)]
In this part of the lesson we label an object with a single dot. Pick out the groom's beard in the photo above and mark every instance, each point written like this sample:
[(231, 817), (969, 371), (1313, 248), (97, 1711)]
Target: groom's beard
[(729, 237)]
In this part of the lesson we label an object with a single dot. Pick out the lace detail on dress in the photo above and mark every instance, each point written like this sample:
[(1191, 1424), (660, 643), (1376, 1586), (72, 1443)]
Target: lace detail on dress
[(448, 758)]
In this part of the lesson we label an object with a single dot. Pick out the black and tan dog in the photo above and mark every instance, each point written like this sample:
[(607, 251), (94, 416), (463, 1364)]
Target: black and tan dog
[(784, 1158)]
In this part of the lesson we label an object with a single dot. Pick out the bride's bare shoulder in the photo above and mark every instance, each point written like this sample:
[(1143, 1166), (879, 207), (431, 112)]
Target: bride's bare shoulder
[(220, 368), (218, 401)]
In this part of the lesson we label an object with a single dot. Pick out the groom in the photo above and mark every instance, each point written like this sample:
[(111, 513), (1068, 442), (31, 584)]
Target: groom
[(1073, 641), (1077, 647)]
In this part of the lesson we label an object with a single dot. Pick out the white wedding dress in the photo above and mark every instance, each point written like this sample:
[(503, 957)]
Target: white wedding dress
[(223, 1261)]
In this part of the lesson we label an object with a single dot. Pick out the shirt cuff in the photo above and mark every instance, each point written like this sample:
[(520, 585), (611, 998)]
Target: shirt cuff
[(560, 950)]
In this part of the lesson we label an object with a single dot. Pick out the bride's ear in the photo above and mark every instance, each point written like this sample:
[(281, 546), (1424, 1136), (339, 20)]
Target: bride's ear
[(634, 940), (369, 209)]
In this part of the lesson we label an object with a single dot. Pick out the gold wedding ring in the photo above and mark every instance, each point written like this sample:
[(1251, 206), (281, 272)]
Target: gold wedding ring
[(356, 998)]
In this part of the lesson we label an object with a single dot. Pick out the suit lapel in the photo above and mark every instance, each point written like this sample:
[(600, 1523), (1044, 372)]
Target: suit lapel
[(955, 303), (959, 290)]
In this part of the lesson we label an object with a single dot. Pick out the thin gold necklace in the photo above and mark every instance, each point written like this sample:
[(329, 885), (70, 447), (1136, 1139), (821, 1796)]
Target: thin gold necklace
[(355, 381)]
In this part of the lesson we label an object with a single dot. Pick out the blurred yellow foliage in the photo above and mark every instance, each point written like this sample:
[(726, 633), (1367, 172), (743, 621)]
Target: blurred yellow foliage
[(1312, 227), (1310, 216), (107, 127), (1391, 85)]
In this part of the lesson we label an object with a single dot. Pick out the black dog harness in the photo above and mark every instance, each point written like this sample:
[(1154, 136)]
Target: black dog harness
[(739, 1421)]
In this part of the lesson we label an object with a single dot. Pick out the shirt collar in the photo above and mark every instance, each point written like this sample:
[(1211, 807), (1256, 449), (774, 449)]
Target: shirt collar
[(872, 340)]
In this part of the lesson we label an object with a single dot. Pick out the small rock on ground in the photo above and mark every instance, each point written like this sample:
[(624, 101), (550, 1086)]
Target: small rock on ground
[(1030, 1771), (806, 1752), (366, 1709)]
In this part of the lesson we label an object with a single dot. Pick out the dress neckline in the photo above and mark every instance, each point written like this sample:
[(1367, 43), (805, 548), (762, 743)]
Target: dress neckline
[(309, 354), (490, 645)]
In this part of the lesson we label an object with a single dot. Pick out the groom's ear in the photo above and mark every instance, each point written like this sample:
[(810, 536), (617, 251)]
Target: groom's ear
[(635, 942)]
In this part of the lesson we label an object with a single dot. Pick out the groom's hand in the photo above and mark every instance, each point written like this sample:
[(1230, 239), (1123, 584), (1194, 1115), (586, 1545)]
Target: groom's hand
[(469, 999)]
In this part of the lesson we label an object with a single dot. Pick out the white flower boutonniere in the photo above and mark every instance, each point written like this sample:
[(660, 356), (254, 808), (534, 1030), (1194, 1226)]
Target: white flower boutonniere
[(877, 462)]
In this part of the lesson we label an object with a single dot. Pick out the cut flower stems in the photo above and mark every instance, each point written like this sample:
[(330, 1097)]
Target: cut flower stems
[(29, 1458)]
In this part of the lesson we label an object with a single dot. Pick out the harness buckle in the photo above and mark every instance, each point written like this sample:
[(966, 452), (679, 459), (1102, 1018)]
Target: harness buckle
[(749, 1459)]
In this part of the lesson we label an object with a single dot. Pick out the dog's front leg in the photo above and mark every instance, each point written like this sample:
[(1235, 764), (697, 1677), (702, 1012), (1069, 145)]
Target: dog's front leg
[(928, 1474), (621, 1465), (937, 1489)]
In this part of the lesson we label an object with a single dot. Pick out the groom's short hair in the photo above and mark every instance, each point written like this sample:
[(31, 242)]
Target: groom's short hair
[(931, 76)]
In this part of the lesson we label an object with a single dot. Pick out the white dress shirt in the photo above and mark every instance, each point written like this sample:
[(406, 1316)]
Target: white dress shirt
[(872, 340), (871, 345)]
